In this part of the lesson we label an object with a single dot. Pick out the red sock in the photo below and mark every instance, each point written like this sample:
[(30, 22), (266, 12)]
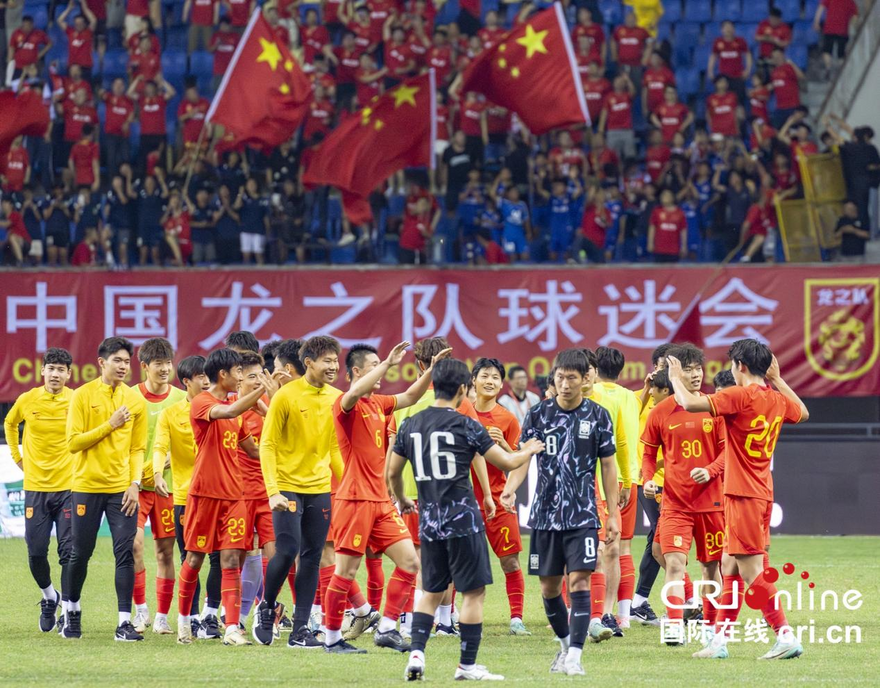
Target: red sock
[(597, 595), (710, 612), (324, 576), (766, 560), (688, 587), (187, 580), (230, 595), (291, 580), (411, 602), (516, 591), (375, 582), (164, 594), (740, 593), (729, 610), (565, 591), (356, 597), (140, 587), (775, 617), (674, 610), (399, 586), (627, 578), (335, 597)]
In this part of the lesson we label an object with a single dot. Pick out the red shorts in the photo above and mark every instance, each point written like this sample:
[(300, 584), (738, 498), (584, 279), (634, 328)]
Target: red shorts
[(213, 525), (747, 525), (681, 527), (602, 510), (160, 511), (412, 522), (331, 531), (503, 533), (628, 514), (359, 525), (259, 520)]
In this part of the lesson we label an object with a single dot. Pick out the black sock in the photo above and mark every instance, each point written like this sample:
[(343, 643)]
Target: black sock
[(306, 584), (421, 630), (40, 571), (580, 617), (213, 584), (557, 615), (65, 582), (471, 634), (124, 586)]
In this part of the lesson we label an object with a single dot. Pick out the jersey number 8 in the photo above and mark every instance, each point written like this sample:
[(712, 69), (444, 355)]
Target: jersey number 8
[(442, 462)]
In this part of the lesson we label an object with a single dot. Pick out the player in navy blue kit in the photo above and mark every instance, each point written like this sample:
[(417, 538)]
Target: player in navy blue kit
[(441, 444), (577, 434)]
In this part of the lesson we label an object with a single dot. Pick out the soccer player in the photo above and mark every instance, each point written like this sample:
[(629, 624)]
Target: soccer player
[(107, 435), (215, 508), (364, 516), (723, 380), (441, 444), (287, 359), (48, 474), (298, 451), (502, 531), (174, 454), (693, 456), (241, 341), (577, 435), (156, 357), (754, 413)]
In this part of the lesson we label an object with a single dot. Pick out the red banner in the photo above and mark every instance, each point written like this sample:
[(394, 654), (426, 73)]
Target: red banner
[(823, 322)]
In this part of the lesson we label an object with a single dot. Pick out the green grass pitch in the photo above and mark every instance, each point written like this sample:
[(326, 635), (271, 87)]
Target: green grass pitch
[(30, 657)]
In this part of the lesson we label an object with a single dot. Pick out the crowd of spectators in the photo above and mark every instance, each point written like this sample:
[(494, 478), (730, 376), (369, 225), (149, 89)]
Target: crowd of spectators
[(691, 144)]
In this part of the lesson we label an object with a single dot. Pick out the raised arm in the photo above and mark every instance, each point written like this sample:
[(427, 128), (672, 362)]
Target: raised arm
[(683, 396), (418, 388), (775, 378)]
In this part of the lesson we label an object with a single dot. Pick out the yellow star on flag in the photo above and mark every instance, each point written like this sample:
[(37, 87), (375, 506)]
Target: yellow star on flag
[(533, 41), (285, 89), (365, 115), (378, 124), (405, 94), (271, 55), (288, 65)]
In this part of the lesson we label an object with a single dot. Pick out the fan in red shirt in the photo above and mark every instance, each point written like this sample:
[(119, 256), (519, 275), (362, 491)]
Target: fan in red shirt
[(491, 33), (15, 168), (657, 155), (722, 109), (584, 56), (753, 413), (80, 36), (191, 113), (152, 106), (77, 114), (369, 79), (594, 227), (145, 31), (417, 42), (362, 28), (16, 232), (693, 448), (565, 156), (616, 120), (84, 160), (629, 42), (655, 80), (595, 34), (319, 117), (380, 11), (730, 55), (346, 58), (223, 44), (240, 12), (215, 507), (86, 252), (671, 116), (596, 87), (144, 63), (604, 161), (759, 98), (418, 227), (772, 33), (667, 231), (313, 36), (363, 516), (176, 223), (760, 219), (785, 77), (63, 93), (398, 58), (28, 45), (839, 16), (439, 56)]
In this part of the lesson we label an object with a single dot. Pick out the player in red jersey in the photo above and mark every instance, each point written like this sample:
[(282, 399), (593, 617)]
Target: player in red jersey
[(502, 531), (215, 509), (754, 413), (364, 515), (693, 447)]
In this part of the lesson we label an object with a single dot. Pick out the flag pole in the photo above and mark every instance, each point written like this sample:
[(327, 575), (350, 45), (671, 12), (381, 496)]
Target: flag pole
[(192, 161)]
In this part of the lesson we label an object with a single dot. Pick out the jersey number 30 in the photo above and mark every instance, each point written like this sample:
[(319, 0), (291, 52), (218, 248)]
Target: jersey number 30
[(442, 462)]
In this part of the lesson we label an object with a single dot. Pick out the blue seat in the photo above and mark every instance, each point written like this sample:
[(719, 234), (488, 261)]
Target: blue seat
[(748, 32), (31, 5), (754, 11), (682, 54), (672, 11), (791, 9), (115, 63), (41, 17), (711, 31), (687, 33), (799, 55), (803, 33), (173, 64), (810, 9), (612, 12), (699, 11), (305, 7), (701, 57), (175, 38), (201, 64), (664, 30), (447, 13), (728, 9), (114, 38), (688, 81)]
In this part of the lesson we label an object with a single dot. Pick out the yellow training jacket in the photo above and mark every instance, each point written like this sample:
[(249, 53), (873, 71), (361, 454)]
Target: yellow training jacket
[(174, 434)]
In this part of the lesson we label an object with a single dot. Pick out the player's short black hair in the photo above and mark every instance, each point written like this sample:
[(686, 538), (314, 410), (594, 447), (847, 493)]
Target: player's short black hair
[(753, 354), (155, 349), (660, 380), (268, 353), (56, 356), (113, 344), (243, 341), (221, 359), (288, 353), (448, 376), (610, 362), (425, 350), (723, 380), (687, 354), (515, 370), (573, 359), (189, 367), (316, 347), (658, 353), (250, 359), (488, 363), (356, 356)]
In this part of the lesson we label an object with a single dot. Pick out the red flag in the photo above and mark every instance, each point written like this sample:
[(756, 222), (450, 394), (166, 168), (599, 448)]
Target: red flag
[(23, 115), (689, 328), (394, 131), (264, 94), (532, 70)]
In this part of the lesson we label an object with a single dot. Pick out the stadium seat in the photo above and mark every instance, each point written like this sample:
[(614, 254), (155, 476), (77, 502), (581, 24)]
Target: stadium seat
[(447, 13), (664, 30), (748, 31), (810, 9), (687, 33), (201, 64), (799, 55), (711, 31), (698, 11), (791, 10), (115, 63), (688, 81), (682, 54), (305, 7), (114, 38), (672, 11), (173, 64), (754, 11), (41, 17), (612, 12), (30, 6), (728, 9), (803, 33), (701, 57), (175, 38)]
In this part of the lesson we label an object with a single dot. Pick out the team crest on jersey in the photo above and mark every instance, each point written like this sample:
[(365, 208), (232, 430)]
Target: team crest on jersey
[(29, 512), (202, 540), (357, 540), (676, 540), (80, 509), (291, 506), (534, 562), (585, 429), (707, 425)]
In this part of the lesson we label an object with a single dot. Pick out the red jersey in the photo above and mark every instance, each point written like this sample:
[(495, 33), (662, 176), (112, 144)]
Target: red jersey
[(596, 38), (17, 226), (781, 31), (83, 154), (363, 36), (656, 158), (656, 81), (758, 99), (251, 471), (79, 47), (396, 59), (671, 118), (754, 416), (367, 90), (349, 63), (202, 12), (14, 168), (26, 46), (135, 40), (331, 11), (441, 60), (239, 12), (223, 43), (499, 417), (599, 159), (731, 56), (217, 473), (838, 14), (688, 440), (138, 8), (69, 87), (758, 221), (498, 119), (594, 224), (147, 65), (75, 118), (721, 110), (363, 442), (98, 8), (318, 118), (786, 87), (313, 39), (380, 10), (418, 51), (563, 160), (490, 37), (84, 254), (630, 44), (412, 237), (152, 115), (442, 118), (471, 116), (669, 225), (595, 91), (619, 107), (193, 126), (117, 110)]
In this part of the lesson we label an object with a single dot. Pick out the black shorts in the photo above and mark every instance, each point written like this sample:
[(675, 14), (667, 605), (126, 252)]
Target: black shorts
[(829, 41), (557, 552), (462, 560), (58, 239), (42, 510)]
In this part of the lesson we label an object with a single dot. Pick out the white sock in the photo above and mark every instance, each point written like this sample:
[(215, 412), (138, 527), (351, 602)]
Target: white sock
[(386, 624), (209, 611), (623, 608), (64, 605), (332, 637), (785, 635), (183, 620), (49, 593), (73, 606), (692, 600), (316, 609), (142, 608), (417, 595), (574, 655), (160, 617), (363, 610), (445, 614), (638, 600), (406, 623), (124, 617), (417, 654), (565, 642), (466, 667)]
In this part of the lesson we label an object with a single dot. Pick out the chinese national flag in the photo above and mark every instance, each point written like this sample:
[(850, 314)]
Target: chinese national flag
[(689, 329), (532, 70), (394, 131), (23, 115), (264, 94)]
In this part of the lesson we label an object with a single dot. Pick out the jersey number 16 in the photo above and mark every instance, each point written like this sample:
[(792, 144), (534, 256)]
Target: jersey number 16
[(442, 462)]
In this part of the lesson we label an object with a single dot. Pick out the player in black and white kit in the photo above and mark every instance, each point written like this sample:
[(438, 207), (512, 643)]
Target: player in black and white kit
[(577, 434), (441, 444)]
